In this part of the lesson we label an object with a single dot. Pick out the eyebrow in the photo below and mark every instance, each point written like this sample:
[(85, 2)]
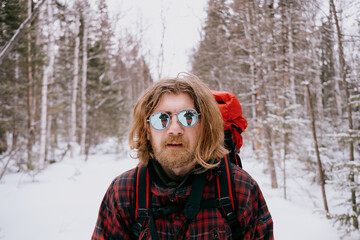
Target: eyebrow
[(168, 112)]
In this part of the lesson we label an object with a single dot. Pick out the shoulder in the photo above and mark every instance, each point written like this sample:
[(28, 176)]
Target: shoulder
[(122, 187), (125, 179), (253, 211), (244, 182), (248, 192)]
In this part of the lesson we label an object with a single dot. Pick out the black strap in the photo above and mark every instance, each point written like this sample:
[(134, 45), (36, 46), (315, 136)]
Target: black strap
[(235, 158), (141, 212), (142, 195), (153, 231), (231, 146), (192, 206), (225, 201), (224, 186), (229, 141), (236, 128)]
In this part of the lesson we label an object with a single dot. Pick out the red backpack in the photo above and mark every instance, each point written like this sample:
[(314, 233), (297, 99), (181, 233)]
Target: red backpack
[(234, 123)]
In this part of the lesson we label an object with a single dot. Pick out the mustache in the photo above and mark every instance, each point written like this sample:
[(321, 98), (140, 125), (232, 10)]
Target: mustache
[(175, 140)]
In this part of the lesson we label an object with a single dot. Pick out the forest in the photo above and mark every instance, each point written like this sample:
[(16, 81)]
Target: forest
[(68, 83)]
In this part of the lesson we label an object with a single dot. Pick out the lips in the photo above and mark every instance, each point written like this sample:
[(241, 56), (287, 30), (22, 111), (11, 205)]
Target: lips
[(174, 144)]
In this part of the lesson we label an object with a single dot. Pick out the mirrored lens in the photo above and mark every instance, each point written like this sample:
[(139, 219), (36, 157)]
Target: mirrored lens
[(160, 120), (187, 117)]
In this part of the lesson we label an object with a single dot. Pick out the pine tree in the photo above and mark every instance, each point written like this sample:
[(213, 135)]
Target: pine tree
[(210, 61)]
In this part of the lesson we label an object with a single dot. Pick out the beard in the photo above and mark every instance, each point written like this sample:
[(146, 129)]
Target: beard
[(173, 158)]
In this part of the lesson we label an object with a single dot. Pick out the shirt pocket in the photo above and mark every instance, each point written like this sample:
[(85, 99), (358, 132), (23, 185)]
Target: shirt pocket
[(213, 233), (220, 233)]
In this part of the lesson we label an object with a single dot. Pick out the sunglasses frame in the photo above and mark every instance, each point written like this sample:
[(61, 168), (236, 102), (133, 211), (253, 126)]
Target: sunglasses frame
[(170, 115)]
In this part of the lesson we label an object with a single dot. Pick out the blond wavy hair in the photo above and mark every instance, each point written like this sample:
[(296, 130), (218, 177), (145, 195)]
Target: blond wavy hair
[(211, 122)]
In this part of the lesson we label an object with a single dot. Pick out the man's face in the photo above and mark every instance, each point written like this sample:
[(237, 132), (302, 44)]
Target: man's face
[(175, 145)]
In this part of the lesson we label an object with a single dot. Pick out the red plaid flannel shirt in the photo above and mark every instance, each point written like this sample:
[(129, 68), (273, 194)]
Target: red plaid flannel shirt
[(116, 214)]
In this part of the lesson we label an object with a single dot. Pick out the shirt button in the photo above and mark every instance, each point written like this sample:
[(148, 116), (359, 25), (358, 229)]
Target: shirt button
[(177, 217)]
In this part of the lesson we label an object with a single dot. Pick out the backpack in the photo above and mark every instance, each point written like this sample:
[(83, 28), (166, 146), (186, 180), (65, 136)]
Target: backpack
[(234, 125)]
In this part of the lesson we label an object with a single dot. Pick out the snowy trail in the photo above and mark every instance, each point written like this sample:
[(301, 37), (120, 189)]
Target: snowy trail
[(63, 202)]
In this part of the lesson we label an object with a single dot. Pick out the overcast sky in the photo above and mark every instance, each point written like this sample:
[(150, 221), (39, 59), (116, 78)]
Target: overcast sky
[(182, 31)]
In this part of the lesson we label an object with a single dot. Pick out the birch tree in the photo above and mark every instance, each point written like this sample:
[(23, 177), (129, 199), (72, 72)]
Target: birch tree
[(74, 88), (47, 75), (85, 22)]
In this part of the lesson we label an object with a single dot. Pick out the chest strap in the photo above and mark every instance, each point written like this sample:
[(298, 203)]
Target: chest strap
[(192, 206)]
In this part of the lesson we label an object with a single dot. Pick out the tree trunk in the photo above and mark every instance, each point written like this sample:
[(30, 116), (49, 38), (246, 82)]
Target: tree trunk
[(83, 84), (3, 140), (349, 112), (74, 89), (337, 93), (160, 62), (48, 73), (321, 172), (48, 136), (267, 138), (254, 89), (30, 140), (270, 155), (292, 67), (318, 88), (319, 103), (286, 140)]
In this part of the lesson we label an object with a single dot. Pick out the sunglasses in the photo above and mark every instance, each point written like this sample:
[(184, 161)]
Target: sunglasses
[(186, 117)]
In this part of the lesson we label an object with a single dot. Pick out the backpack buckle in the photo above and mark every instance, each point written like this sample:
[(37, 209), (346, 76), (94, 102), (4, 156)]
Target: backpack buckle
[(136, 228), (223, 202), (143, 212), (232, 218)]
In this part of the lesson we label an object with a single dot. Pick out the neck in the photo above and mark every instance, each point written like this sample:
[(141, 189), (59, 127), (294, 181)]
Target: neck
[(178, 174)]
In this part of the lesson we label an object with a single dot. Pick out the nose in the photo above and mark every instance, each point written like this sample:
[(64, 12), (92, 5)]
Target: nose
[(175, 127)]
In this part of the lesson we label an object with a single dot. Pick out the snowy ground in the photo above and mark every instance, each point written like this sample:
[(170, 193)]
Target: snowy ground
[(62, 202)]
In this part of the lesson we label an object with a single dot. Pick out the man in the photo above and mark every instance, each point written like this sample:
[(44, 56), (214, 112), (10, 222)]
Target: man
[(176, 151)]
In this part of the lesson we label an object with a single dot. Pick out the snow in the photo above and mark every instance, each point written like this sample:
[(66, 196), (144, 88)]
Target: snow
[(62, 202)]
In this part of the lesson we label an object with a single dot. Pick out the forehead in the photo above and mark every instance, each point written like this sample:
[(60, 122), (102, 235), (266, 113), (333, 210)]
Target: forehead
[(171, 102)]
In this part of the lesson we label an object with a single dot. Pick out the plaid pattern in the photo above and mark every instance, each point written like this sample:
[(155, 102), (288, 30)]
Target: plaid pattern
[(116, 214)]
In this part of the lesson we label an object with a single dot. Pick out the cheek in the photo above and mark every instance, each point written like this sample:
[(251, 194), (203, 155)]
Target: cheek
[(195, 135), (154, 136)]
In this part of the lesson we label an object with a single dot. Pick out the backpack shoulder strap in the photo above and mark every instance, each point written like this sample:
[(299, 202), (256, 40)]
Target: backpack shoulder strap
[(142, 202), (227, 195), (235, 159), (193, 204), (141, 199)]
